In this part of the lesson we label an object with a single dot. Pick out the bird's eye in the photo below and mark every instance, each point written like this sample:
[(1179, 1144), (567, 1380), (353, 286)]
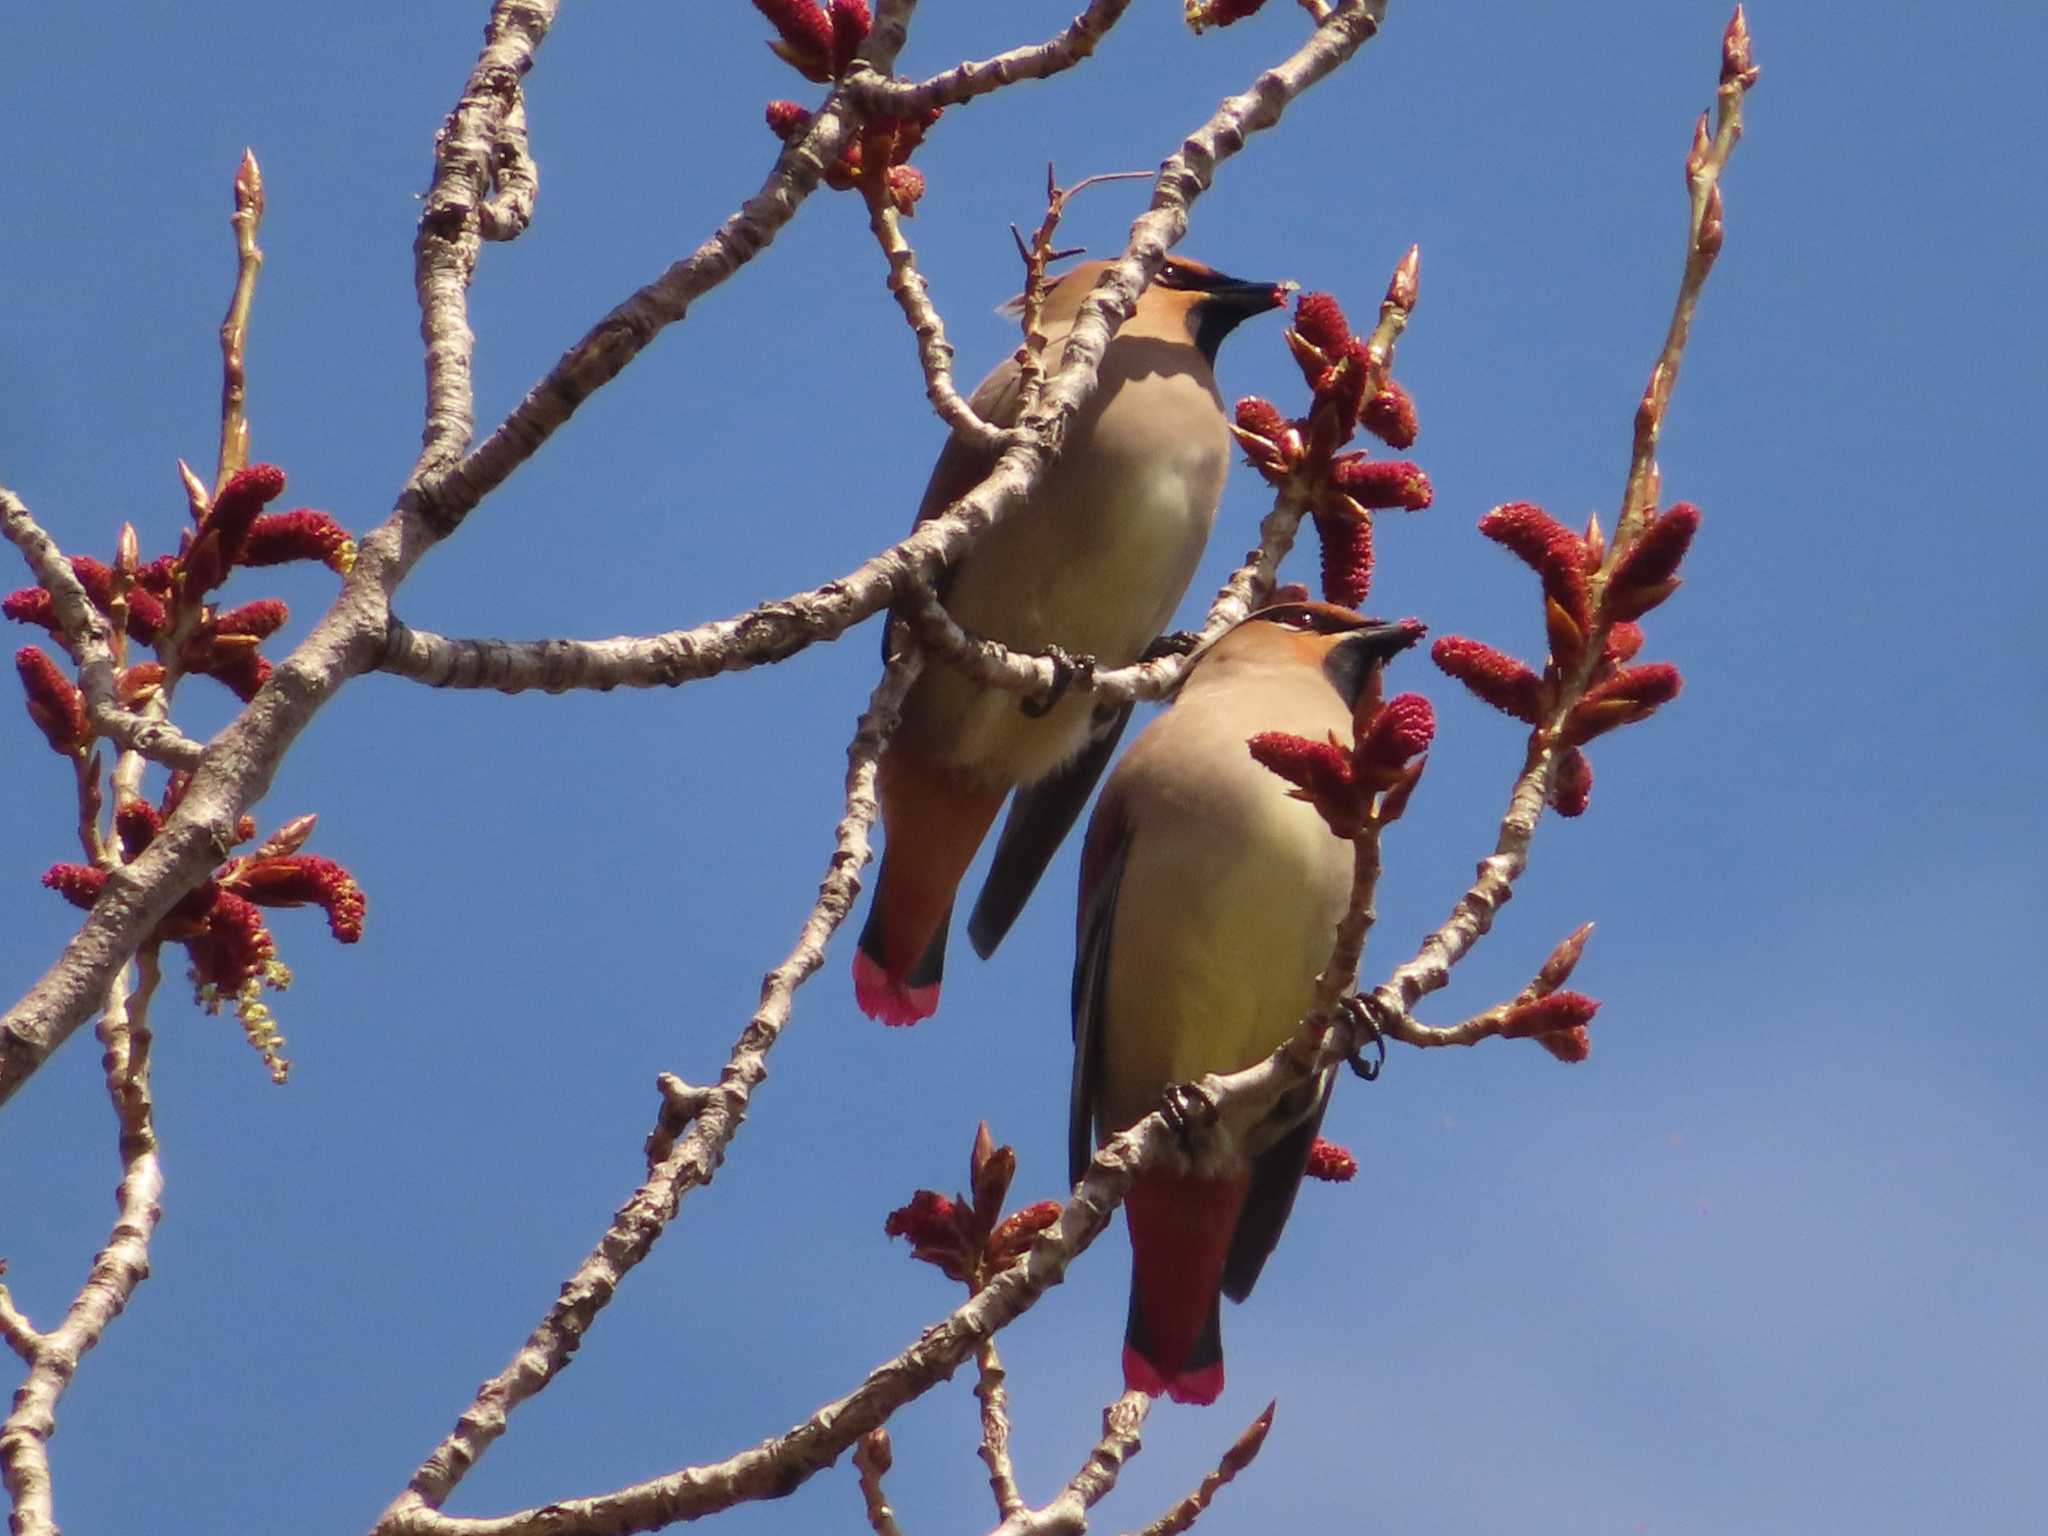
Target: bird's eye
[(1171, 274)]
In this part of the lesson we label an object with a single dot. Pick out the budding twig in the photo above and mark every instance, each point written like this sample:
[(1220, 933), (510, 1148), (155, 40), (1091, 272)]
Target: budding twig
[(934, 352), (234, 329), (119, 1267), (1704, 235), (88, 636), (1235, 1460), (1430, 969), (994, 1398), (1039, 254), (880, 96), (872, 1459)]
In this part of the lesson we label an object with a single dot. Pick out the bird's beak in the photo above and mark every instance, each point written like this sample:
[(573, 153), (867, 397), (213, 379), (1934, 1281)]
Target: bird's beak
[(1242, 299)]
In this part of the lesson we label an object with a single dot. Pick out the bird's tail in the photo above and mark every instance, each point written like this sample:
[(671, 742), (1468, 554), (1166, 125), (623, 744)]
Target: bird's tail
[(934, 820), (1181, 1228)]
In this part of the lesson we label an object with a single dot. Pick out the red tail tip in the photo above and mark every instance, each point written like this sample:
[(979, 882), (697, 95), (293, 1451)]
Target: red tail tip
[(1200, 1387), (882, 996)]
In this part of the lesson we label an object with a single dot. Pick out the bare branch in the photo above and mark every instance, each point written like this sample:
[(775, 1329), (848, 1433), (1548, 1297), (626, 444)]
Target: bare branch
[(507, 212), (778, 629), (872, 1459), (1067, 1515), (687, 1161), (459, 204), (16, 1329), (681, 1103), (934, 352), (234, 329), (879, 96), (994, 1398), (1235, 1460), (613, 343), (123, 1264)]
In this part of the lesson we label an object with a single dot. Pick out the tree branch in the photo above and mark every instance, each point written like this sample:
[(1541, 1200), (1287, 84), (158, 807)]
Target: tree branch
[(1067, 1514), (1235, 1460), (871, 1459), (488, 122), (776, 630), (123, 1264), (688, 1160), (994, 1398), (1430, 969), (879, 96), (89, 638)]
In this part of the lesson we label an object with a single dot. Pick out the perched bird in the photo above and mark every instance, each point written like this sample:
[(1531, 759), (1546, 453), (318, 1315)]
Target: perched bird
[(1209, 902), (1094, 564)]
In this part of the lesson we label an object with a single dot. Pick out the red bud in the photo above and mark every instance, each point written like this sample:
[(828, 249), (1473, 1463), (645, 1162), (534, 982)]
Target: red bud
[(1382, 483), (1549, 1015), (1572, 791), (1330, 1162), (1493, 677), (54, 702), (1347, 558), (79, 884), (850, 23), (1630, 695), (1390, 416), (1319, 321)]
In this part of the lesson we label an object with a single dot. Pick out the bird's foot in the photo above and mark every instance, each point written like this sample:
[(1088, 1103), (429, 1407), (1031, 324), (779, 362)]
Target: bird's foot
[(1066, 669), (1178, 643), (1367, 1014), (1188, 1111)]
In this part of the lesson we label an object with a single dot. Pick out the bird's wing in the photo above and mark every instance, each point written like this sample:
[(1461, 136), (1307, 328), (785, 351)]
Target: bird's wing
[(1102, 871), (961, 466), (1039, 820)]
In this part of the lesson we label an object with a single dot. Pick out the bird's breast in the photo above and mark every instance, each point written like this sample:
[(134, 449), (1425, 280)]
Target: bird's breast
[(1096, 563)]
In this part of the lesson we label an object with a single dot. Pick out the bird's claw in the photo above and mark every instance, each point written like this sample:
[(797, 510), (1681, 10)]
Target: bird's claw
[(1366, 1013), (1178, 643), (1065, 669), (1187, 1109)]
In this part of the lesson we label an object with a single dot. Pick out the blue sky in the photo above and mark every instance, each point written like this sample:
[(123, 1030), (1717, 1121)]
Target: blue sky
[(1768, 1262)]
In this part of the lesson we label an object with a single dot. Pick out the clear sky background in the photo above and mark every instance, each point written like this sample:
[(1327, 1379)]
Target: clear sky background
[(1770, 1262)]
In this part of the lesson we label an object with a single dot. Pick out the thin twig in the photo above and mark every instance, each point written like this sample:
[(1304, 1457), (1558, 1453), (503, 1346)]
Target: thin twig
[(87, 770), (872, 1459), (777, 1466), (506, 213), (234, 329), (1430, 970), (1340, 975), (53, 1358), (1038, 255), (775, 630), (689, 1160), (1703, 243), (1235, 1460), (880, 96), (1067, 1514), (452, 220), (934, 352), (16, 1329), (443, 491), (994, 1398)]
